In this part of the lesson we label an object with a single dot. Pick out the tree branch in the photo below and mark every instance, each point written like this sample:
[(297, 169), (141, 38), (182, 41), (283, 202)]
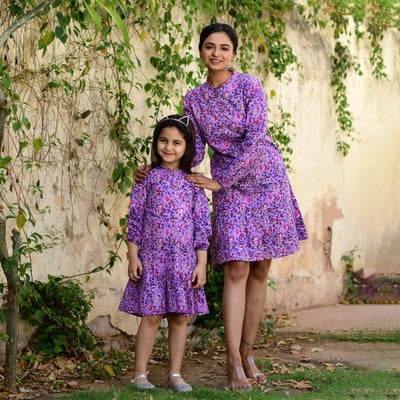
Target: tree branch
[(3, 113), (23, 20)]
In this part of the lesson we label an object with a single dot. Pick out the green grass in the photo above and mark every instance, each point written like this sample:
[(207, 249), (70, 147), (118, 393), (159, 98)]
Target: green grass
[(360, 337), (339, 384)]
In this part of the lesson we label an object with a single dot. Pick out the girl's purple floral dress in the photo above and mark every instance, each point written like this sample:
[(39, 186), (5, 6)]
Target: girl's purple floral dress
[(169, 220), (255, 214)]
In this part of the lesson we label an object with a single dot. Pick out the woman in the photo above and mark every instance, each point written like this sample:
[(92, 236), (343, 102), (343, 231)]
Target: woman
[(255, 214)]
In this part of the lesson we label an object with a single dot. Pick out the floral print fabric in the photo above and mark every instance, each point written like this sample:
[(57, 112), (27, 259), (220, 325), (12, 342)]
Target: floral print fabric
[(255, 214), (169, 220)]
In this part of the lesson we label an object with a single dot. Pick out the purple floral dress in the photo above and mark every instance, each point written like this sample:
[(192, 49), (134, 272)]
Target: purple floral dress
[(255, 214), (169, 220)]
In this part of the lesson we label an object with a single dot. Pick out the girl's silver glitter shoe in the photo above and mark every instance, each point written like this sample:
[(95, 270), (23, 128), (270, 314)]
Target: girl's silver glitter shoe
[(142, 385), (178, 387)]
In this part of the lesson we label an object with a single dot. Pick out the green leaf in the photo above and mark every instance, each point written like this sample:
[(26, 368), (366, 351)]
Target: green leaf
[(26, 122), (37, 144), (16, 126), (116, 174), (4, 161), (20, 220), (6, 83), (117, 20), (48, 37), (59, 31), (94, 15), (39, 315), (123, 187)]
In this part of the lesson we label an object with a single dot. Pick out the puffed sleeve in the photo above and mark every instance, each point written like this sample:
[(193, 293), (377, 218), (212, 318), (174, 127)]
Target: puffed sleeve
[(136, 213), (201, 220), (255, 133), (189, 102)]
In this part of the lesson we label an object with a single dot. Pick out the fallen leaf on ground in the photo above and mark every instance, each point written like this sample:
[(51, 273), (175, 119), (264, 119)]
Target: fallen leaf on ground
[(303, 385)]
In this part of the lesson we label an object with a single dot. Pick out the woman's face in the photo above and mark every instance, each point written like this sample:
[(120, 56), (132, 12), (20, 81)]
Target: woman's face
[(217, 51)]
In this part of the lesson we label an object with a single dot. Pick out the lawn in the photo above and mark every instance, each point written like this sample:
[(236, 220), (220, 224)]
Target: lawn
[(297, 383)]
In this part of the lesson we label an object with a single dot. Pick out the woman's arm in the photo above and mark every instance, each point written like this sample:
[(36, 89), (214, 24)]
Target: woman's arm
[(202, 181), (255, 133)]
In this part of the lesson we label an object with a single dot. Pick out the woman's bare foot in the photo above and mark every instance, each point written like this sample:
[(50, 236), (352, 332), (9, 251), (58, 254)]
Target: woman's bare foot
[(252, 372), (250, 368), (237, 379)]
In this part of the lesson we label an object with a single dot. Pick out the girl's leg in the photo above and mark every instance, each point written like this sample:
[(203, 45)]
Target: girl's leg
[(177, 326), (233, 309), (144, 344), (255, 299)]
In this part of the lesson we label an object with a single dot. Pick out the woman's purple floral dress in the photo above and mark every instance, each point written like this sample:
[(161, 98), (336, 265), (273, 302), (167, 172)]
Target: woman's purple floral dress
[(255, 214), (169, 220)]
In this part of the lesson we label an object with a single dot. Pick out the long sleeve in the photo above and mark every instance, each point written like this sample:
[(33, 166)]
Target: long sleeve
[(254, 134), (201, 220), (136, 213), (200, 142)]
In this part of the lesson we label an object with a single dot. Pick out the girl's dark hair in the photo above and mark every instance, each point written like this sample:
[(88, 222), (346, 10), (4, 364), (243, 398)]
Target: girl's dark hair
[(217, 27), (186, 128)]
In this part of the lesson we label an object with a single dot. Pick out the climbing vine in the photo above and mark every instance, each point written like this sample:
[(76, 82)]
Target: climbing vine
[(369, 19)]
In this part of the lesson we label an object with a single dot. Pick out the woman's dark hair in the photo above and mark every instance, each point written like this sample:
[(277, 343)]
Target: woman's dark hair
[(217, 27), (186, 128)]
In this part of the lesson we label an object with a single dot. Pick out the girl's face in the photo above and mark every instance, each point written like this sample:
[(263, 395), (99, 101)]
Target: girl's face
[(171, 147), (217, 51)]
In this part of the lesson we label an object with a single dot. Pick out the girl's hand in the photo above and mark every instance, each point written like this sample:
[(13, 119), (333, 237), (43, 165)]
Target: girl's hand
[(202, 181), (199, 277), (141, 172), (135, 269)]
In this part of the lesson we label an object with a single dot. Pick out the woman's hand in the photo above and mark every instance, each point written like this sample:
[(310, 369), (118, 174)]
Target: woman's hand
[(141, 172), (202, 181)]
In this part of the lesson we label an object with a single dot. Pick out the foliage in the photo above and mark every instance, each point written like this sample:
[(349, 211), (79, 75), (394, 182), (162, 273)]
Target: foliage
[(279, 132), (213, 290), (105, 365), (352, 283), (361, 18), (59, 308)]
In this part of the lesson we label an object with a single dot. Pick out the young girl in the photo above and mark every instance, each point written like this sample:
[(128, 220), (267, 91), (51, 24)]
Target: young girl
[(168, 236)]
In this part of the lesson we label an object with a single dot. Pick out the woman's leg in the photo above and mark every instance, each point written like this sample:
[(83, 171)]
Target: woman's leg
[(177, 326), (233, 309), (144, 344), (255, 299)]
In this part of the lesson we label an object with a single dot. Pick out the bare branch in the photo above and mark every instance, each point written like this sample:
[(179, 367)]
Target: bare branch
[(23, 20), (3, 113)]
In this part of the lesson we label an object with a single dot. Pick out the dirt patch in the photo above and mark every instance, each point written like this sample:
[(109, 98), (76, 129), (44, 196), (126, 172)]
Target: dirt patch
[(286, 351)]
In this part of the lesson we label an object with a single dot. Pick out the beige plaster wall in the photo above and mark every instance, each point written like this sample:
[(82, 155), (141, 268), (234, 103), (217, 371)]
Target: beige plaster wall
[(346, 202)]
